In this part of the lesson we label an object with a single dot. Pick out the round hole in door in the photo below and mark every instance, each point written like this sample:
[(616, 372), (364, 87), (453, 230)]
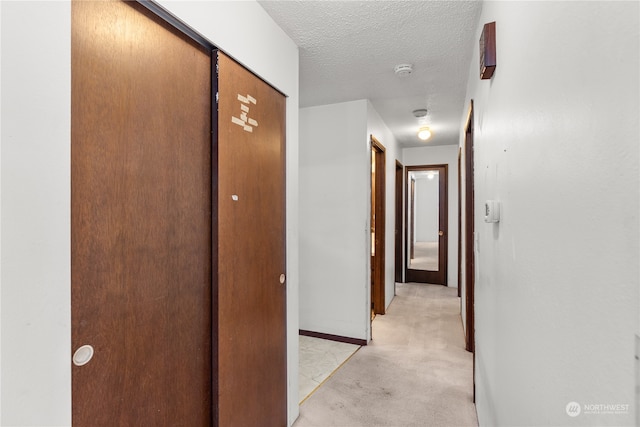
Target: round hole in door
[(83, 355)]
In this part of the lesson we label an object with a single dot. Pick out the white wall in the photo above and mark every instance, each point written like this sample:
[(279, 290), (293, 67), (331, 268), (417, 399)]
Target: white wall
[(442, 155), (335, 217), (35, 177), (334, 206), (35, 213), (377, 128), (556, 142)]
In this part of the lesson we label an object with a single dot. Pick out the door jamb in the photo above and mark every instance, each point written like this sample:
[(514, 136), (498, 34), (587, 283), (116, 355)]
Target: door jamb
[(399, 234), (469, 240), (469, 231), (459, 221), (378, 271)]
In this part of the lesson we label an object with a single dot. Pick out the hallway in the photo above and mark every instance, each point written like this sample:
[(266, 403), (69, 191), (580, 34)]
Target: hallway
[(415, 372)]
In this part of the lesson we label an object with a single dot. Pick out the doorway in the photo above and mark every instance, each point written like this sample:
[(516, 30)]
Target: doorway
[(427, 224), (399, 265), (378, 205)]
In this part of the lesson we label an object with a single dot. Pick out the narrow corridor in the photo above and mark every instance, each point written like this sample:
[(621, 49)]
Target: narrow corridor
[(415, 372)]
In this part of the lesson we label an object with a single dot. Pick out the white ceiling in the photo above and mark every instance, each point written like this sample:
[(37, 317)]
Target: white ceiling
[(348, 51)]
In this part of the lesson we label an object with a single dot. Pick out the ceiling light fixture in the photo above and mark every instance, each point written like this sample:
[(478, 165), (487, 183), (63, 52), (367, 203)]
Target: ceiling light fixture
[(403, 70), (424, 133)]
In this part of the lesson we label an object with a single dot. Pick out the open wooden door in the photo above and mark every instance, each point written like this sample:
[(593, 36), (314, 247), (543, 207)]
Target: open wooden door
[(427, 224), (141, 220), (251, 290)]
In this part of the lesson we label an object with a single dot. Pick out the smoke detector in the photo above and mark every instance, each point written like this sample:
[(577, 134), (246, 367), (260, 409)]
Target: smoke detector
[(420, 113), (403, 70)]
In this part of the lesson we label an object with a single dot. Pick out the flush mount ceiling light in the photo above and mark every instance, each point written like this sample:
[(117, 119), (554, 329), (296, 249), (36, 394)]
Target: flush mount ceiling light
[(424, 133), (403, 70)]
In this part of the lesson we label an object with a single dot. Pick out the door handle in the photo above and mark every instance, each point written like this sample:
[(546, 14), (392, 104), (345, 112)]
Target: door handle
[(440, 233), (283, 278)]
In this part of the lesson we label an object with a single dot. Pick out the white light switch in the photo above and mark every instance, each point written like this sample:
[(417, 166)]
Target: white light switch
[(491, 211)]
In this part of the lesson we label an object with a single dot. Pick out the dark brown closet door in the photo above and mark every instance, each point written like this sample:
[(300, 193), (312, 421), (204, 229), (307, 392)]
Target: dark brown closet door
[(141, 220), (251, 250)]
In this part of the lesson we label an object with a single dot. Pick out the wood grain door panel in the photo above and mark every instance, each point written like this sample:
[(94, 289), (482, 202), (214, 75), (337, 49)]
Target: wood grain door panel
[(141, 219), (251, 302)]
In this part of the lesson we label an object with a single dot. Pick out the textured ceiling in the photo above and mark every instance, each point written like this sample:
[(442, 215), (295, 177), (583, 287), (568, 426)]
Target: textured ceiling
[(348, 51)]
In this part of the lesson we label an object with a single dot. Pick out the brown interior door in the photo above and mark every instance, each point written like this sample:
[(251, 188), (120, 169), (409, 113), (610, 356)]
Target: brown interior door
[(399, 268), (417, 269), (251, 302), (141, 220)]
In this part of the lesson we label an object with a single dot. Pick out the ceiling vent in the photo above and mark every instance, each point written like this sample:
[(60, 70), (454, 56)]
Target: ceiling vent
[(403, 70)]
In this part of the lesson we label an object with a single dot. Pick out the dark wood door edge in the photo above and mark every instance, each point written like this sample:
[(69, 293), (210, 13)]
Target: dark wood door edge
[(399, 208), (469, 241), (469, 231), (380, 227)]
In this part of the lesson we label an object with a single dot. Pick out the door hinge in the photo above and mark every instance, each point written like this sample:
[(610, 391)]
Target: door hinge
[(216, 97)]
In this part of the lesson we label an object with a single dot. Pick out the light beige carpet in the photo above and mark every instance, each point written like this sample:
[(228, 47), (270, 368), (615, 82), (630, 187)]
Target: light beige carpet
[(425, 256), (416, 371)]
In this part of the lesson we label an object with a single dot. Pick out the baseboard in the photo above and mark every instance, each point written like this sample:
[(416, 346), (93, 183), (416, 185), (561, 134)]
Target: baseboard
[(331, 337)]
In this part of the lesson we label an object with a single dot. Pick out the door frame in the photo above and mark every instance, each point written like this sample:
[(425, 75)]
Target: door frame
[(469, 232), (470, 333), (399, 248), (441, 276), (459, 221), (379, 209)]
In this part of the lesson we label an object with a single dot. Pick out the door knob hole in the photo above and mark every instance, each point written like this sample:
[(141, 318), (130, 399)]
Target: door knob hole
[(83, 355)]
